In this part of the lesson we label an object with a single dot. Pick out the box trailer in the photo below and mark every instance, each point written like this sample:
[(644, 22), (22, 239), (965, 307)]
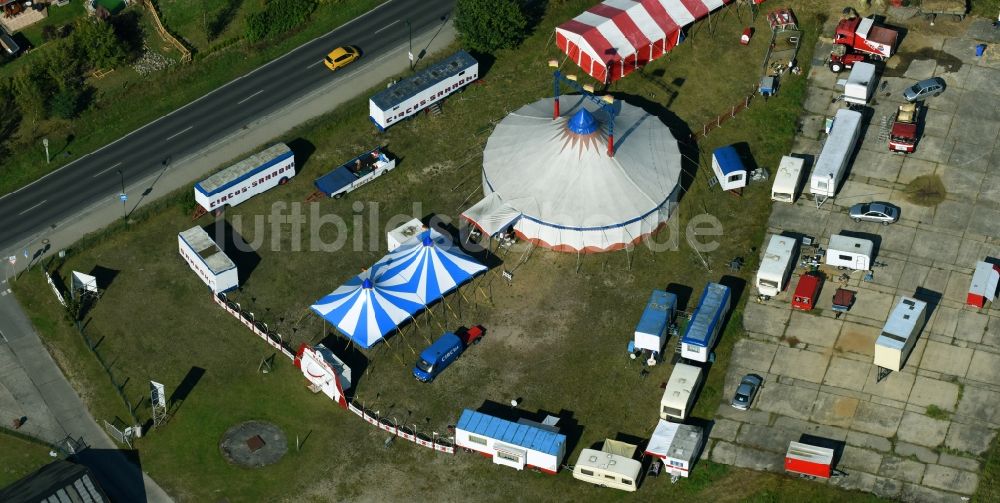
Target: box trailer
[(809, 460), (849, 252), (776, 265), (354, 173), (900, 333), (807, 291), (205, 258), (412, 94), (832, 162), (520, 445), (729, 168), (613, 466), (682, 389), (703, 330), (324, 371), (860, 85), (985, 281), (653, 329), (787, 179), (677, 445), (247, 178)]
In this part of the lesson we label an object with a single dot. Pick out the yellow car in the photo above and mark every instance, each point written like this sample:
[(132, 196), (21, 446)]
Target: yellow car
[(341, 57)]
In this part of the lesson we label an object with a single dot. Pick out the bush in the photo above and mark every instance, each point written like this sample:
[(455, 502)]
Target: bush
[(278, 17), (65, 104), (490, 25)]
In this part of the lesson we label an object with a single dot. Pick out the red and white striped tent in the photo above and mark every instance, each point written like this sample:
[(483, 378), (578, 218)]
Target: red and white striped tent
[(613, 38)]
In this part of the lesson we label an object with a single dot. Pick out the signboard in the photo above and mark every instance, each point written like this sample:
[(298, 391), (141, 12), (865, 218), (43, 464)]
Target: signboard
[(157, 394)]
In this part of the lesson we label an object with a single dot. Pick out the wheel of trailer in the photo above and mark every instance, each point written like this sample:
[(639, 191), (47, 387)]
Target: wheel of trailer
[(338, 195), (283, 180), (836, 67), (937, 94)]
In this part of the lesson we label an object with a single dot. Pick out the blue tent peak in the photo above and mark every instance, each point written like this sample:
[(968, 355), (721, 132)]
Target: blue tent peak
[(582, 122), (367, 283), (427, 239)]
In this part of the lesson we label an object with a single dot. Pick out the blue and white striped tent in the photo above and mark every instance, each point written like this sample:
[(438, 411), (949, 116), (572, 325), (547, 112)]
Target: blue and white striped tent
[(418, 273)]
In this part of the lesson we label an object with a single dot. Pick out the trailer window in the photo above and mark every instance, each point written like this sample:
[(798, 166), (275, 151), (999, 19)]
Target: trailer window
[(477, 440), (508, 456), (611, 477), (767, 282), (735, 178), (670, 411), (587, 472), (845, 257), (425, 366), (626, 481)]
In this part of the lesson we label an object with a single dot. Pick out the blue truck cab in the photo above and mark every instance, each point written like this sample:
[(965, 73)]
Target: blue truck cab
[(438, 356)]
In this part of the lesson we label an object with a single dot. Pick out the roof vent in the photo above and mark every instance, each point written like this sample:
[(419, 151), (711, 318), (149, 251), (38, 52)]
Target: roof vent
[(582, 122)]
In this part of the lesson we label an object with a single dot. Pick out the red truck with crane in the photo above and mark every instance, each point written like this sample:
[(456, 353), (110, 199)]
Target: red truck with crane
[(860, 39)]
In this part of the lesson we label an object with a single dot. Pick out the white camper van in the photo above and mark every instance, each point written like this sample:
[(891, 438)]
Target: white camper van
[(682, 389), (860, 85), (894, 344), (776, 265), (832, 161), (850, 252), (787, 179), (613, 466)]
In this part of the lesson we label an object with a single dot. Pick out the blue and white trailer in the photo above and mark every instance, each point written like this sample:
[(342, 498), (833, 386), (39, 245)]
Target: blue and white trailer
[(247, 178), (412, 94), (729, 168), (703, 330), (653, 329), (355, 173)]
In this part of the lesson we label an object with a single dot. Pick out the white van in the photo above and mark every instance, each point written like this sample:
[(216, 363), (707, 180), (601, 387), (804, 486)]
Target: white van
[(682, 389), (613, 466), (850, 252), (776, 265), (787, 179)]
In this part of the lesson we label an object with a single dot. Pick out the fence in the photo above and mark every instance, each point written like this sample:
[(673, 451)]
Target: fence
[(162, 30), (387, 424), (271, 337), (723, 117)]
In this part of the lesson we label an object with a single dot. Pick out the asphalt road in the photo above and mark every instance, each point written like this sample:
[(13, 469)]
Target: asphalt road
[(55, 199)]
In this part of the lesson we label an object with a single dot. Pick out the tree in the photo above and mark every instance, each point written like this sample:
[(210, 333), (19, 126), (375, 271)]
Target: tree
[(490, 25), (99, 42), (66, 103), (31, 89)]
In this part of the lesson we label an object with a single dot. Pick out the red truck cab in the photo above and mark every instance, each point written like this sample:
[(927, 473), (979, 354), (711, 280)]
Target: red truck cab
[(903, 136), (859, 39)]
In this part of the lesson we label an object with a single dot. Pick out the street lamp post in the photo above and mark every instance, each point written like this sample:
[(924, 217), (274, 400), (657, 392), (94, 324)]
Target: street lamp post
[(123, 197), (45, 143)]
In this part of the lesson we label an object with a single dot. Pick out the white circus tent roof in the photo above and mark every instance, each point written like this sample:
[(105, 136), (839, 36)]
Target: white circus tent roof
[(571, 194)]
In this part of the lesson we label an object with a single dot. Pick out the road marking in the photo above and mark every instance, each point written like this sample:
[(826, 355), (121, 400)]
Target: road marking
[(314, 64), (248, 97), (105, 170), (386, 27), (33, 207), (171, 137)]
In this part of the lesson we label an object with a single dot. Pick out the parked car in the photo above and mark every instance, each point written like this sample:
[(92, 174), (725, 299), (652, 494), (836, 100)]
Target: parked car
[(874, 211), (341, 57), (923, 89), (746, 391)]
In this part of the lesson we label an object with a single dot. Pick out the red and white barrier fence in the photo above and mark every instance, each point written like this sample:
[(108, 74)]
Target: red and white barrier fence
[(386, 424)]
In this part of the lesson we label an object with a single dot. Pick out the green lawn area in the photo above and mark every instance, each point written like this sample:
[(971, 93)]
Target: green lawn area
[(556, 335), (202, 23), (20, 457), (58, 16)]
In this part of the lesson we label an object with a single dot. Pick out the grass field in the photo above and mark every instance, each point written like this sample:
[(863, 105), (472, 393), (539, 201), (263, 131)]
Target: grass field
[(19, 457), (557, 334)]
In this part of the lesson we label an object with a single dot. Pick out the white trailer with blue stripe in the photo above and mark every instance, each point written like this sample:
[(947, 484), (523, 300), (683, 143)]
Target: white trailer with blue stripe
[(247, 178), (703, 330), (355, 173), (412, 94)]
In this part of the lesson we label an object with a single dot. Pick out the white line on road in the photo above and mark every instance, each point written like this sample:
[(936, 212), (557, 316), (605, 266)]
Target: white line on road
[(171, 137), (386, 27), (33, 207), (314, 64), (248, 97), (105, 170)]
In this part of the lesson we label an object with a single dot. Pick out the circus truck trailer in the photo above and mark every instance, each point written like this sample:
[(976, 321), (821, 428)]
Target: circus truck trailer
[(653, 329), (703, 330), (410, 95), (205, 257), (519, 445), (858, 39), (899, 335), (776, 266), (251, 176), (832, 162)]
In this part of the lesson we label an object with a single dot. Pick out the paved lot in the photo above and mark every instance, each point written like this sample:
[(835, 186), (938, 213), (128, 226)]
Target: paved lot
[(919, 434)]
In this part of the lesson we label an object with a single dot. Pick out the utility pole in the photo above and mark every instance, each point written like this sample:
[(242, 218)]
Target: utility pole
[(124, 197)]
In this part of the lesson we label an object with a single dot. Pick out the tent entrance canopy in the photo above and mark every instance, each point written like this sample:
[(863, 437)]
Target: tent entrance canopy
[(491, 215)]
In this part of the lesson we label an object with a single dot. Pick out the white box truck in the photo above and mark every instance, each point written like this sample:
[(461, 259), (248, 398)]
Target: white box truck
[(832, 162), (860, 85), (412, 94), (850, 252), (247, 178), (787, 179), (680, 393), (900, 333), (776, 265)]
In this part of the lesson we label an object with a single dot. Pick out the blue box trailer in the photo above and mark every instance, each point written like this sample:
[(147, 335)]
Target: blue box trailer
[(652, 331), (703, 330)]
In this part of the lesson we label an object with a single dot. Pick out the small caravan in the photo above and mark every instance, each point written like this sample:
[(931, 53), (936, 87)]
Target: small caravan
[(899, 336), (860, 85), (677, 445), (776, 265), (728, 168), (832, 161), (652, 331), (681, 391), (613, 466), (850, 252), (787, 179)]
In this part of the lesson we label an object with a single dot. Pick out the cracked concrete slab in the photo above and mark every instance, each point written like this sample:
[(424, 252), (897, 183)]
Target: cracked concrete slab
[(922, 430), (969, 438), (793, 401), (800, 364), (847, 373), (812, 329), (876, 419), (902, 469), (980, 403), (927, 391), (946, 359), (950, 479), (753, 355), (896, 386), (858, 339), (985, 367), (765, 319), (971, 325), (834, 410)]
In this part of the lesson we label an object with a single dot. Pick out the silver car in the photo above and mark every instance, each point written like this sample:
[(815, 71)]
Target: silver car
[(874, 211), (746, 391), (923, 89)]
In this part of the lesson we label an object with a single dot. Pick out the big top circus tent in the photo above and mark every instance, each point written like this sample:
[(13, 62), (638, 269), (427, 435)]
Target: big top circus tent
[(554, 183), (406, 281)]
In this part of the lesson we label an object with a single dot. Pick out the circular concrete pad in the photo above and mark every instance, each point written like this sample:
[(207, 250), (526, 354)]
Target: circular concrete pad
[(253, 444)]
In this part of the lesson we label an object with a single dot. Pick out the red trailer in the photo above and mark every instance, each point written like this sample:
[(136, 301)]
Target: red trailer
[(807, 292), (809, 460), (985, 281)]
